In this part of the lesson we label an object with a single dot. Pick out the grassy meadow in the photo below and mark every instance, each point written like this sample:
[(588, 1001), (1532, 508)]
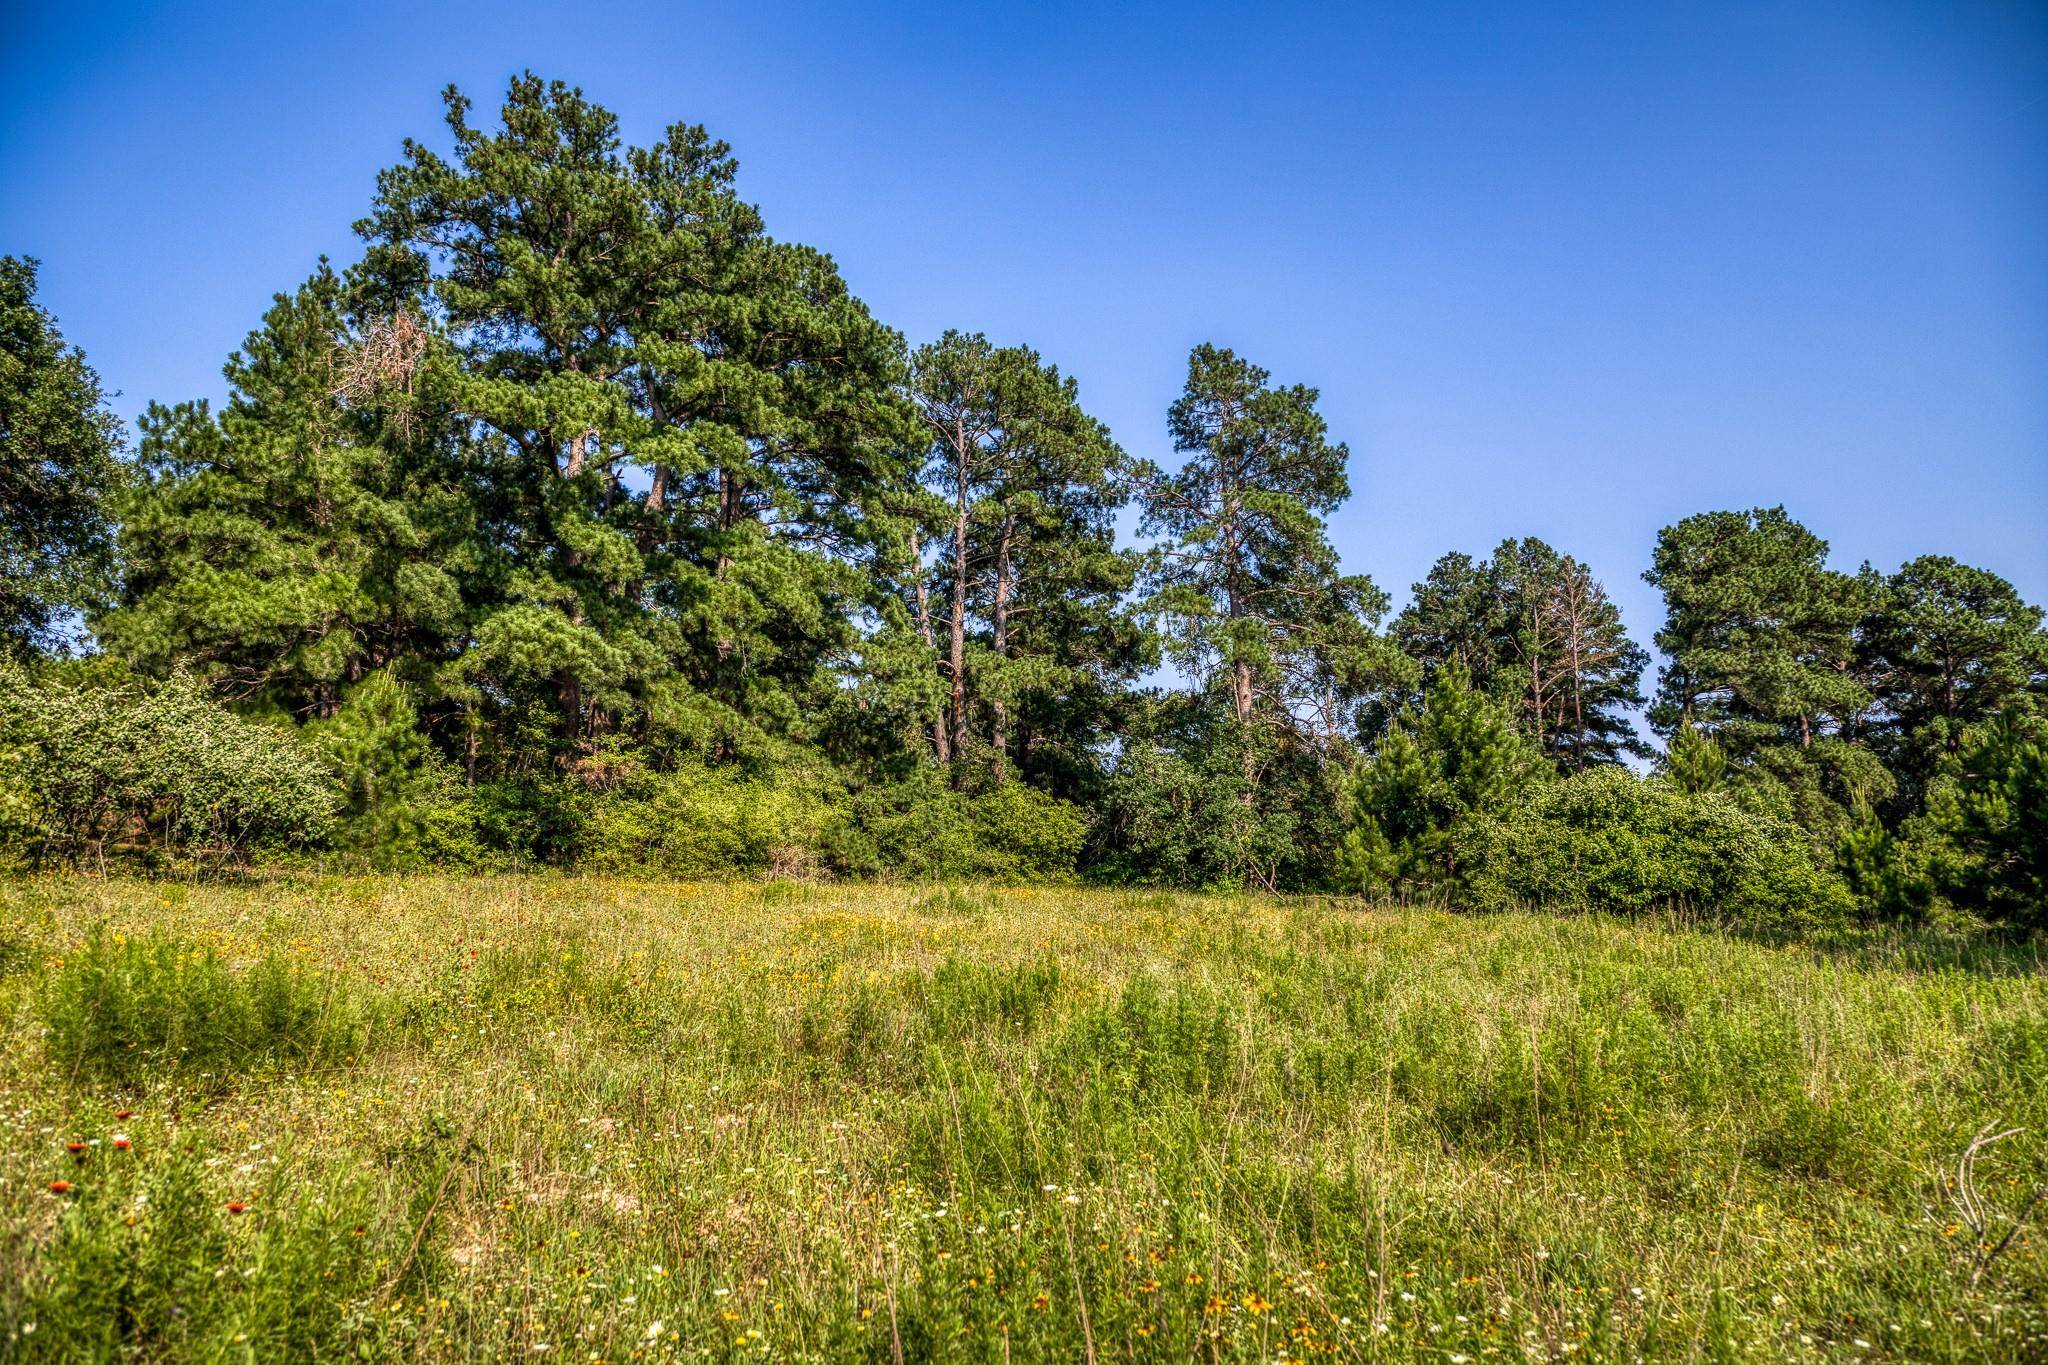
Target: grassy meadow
[(587, 1119)]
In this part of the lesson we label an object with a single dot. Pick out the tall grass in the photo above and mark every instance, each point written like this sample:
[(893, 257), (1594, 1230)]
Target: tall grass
[(123, 1008), (627, 1120)]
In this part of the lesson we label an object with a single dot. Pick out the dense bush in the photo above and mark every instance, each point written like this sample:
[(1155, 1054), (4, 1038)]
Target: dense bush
[(98, 760), (1184, 814), (710, 822), (1439, 773), (122, 1007), (794, 821), (922, 829), (1995, 820), (402, 804), (1607, 840)]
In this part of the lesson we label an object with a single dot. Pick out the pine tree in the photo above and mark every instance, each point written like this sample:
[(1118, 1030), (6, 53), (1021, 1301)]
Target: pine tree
[(1761, 639), (1027, 570), (1457, 758), (300, 540), (1244, 582), (393, 784), (1951, 649), (59, 465), (1538, 631), (685, 426), (1989, 826), (1759, 632), (1693, 761)]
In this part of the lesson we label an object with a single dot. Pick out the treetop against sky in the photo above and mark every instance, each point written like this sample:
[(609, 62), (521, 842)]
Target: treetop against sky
[(1567, 275)]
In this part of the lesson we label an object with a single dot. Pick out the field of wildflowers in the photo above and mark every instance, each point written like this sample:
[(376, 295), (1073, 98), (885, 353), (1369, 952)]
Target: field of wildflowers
[(589, 1119)]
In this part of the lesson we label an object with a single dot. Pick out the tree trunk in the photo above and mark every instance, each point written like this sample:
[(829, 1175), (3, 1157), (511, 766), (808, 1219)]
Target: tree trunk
[(1240, 670), (569, 703), (941, 741), (999, 739), (729, 506), (1575, 611), (917, 590), (956, 642)]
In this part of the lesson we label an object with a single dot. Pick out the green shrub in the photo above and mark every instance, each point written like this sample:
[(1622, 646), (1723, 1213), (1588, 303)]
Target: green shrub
[(530, 821), (1436, 776), (124, 1007), (1985, 832), (116, 762), (401, 802), (709, 822), (1181, 814), (921, 829), (1608, 840)]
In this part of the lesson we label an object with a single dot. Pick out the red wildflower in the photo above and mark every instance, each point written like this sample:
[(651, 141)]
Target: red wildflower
[(237, 1206), (76, 1149), (60, 1187), (124, 1113), (120, 1144)]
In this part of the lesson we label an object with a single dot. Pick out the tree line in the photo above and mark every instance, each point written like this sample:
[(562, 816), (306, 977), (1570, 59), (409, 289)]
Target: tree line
[(583, 520)]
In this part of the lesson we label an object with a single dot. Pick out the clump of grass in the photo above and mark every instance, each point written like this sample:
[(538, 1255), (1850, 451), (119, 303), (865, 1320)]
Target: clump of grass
[(123, 1007), (962, 996), (16, 950), (147, 1259), (954, 901)]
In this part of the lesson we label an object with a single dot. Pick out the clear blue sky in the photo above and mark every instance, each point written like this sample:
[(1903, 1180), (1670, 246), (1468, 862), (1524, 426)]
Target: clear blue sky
[(1565, 271)]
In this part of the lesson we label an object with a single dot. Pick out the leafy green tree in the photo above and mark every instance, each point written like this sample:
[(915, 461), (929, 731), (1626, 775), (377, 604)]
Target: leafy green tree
[(686, 426), (1537, 630), (1028, 571), (60, 462), (1988, 827), (1952, 649), (1761, 642), (1459, 758), (1173, 813), (302, 539), (1244, 580)]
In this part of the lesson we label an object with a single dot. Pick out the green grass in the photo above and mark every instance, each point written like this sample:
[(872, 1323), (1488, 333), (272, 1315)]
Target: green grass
[(592, 1119)]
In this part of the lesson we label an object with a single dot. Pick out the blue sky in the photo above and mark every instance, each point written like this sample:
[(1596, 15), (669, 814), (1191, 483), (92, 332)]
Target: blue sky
[(1568, 271)]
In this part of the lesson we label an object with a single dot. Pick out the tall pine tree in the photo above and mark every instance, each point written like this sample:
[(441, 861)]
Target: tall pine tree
[(1244, 580), (59, 466), (1761, 642), (688, 425), (1027, 580), (1535, 629), (1951, 649), (304, 537)]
